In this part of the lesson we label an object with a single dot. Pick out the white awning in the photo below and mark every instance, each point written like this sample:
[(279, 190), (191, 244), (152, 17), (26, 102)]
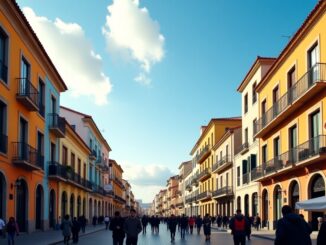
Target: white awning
[(315, 204)]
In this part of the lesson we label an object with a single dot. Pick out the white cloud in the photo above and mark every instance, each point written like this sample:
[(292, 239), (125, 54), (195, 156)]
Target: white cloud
[(73, 55), (130, 28)]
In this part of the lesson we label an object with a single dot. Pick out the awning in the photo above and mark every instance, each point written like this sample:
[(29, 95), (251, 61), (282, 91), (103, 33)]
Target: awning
[(314, 204)]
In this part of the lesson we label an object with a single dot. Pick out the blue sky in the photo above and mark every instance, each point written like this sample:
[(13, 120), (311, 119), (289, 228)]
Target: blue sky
[(207, 49)]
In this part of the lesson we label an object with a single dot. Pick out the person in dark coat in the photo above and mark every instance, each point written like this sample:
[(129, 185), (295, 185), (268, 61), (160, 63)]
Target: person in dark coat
[(12, 230), (219, 221), (94, 220), (239, 226), (144, 222), (207, 222), (116, 226), (66, 226), (291, 229), (199, 223), (132, 227), (75, 228), (82, 222), (321, 238), (172, 226), (183, 225), (157, 224)]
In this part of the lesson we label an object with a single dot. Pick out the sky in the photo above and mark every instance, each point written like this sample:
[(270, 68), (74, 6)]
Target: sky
[(151, 72)]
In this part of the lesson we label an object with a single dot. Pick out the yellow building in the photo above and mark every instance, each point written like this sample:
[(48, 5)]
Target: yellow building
[(292, 125), (203, 154), (71, 175)]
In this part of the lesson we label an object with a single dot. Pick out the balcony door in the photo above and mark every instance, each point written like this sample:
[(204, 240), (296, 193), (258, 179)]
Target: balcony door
[(293, 144), (24, 75), (314, 132), (23, 139), (313, 59), (276, 105)]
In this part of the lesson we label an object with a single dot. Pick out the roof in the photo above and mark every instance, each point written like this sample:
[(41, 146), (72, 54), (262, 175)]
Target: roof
[(112, 161), (257, 63), (304, 28), (225, 136), (80, 140), (38, 42), (183, 163), (208, 127)]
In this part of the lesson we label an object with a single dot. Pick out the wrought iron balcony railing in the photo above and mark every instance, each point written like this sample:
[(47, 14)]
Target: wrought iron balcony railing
[(57, 125), (27, 94), (27, 157)]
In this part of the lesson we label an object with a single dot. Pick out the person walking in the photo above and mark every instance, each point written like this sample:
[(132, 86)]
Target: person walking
[(219, 221), (2, 228), (191, 223), (172, 226), (75, 230), (94, 220), (66, 229), (144, 222), (132, 227), (116, 226), (157, 224), (82, 222), (106, 221), (257, 222), (239, 227), (207, 222), (199, 223), (321, 238), (183, 226), (12, 230), (291, 229)]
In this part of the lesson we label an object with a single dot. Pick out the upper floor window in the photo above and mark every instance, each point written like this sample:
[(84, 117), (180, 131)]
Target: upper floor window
[(245, 103), (254, 94), (64, 155), (41, 97), (3, 56), (264, 154), (246, 135), (313, 60), (3, 126)]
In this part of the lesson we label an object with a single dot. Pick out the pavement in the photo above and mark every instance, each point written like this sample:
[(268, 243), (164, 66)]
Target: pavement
[(98, 235)]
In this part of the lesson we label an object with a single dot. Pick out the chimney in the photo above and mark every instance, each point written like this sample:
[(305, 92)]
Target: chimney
[(202, 129)]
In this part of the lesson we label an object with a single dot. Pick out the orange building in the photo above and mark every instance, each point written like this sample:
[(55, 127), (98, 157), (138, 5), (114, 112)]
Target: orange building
[(26, 77), (117, 186)]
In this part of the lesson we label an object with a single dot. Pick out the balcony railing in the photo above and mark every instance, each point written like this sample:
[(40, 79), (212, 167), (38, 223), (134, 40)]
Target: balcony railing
[(56, 170), (93, 155), (27, 157), (312, 148), (204, 195), (315, 75), (3, 143), (119, 199), (27, 94), (203, 175), (203, 154), (224, 191), (57, 125), (245, 178), (222, 163), (3, 72), (244, 148)]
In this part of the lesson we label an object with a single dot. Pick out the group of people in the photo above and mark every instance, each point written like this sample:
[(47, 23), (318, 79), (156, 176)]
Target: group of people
[(11, 228)]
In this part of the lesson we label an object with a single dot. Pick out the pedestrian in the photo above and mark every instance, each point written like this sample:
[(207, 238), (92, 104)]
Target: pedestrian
[(157, 224), (2, 228), (321, 238), (172, 226), (82, 222), (94, 220), (106, 221), (248, 228), (219, 221), (239, 227), (116, 226), (57, 227), (12, 230), (183, 225), (291, 229), (132, 227), (151, 222), (258, 222), (66, 229), (199, 223), (225, 221), (191, 223), (75, 230), (207, 222), (144, 222)]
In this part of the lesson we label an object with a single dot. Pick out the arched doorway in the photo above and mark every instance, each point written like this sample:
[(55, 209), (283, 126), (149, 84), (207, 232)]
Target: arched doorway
[(72, 206), (38, 207), (90, 211), (3, 187), (238, 202), (317, 189), (21, 204), (265, 208), (254, 204), (63, 204), (78, 206), (277, 204), (294, 194), (52, 209), (246, 205)]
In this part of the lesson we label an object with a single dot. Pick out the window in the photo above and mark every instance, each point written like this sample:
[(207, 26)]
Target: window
[(254, 94), (24, 86), (264, 153), (40, 143), (53, 105), (314, 124), (291, 77), (79, 166), (64, 156), (293, 137), (313, 60), (254, 128), (253, 161), (72, 161), (53, 158), (41, 97), (3, 56), (263, 107), (276, 106), (245, 103), (246, 135), (238, 176), (276, 146), (3, 128)]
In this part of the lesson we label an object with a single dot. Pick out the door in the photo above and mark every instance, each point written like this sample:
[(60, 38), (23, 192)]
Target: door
[(24, 88), (314, 133), (293, 144), (291, 90), (313, 68), (22, 148), (52, 209), (38, 207), (276, 104), (21, 204)]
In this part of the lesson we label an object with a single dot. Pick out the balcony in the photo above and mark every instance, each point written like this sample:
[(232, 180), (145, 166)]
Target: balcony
[(189, 186), (311, 151), (308, 86), (245, 178), (203, 196), (119, 199), (93, 155), (194, 180), (223, 164), (3, 72), (109, 193), (225, 191), (119, 182), (27, 94), (57, 125), (205, 174), (3, 143), (27, 157), (244, 148), (203, 154), (57, 171)]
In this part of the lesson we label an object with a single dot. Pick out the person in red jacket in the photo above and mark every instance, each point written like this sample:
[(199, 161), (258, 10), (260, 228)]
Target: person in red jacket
[(191, 223)]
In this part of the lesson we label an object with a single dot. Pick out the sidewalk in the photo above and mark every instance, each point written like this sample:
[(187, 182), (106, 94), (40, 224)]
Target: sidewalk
[(50, 237)]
